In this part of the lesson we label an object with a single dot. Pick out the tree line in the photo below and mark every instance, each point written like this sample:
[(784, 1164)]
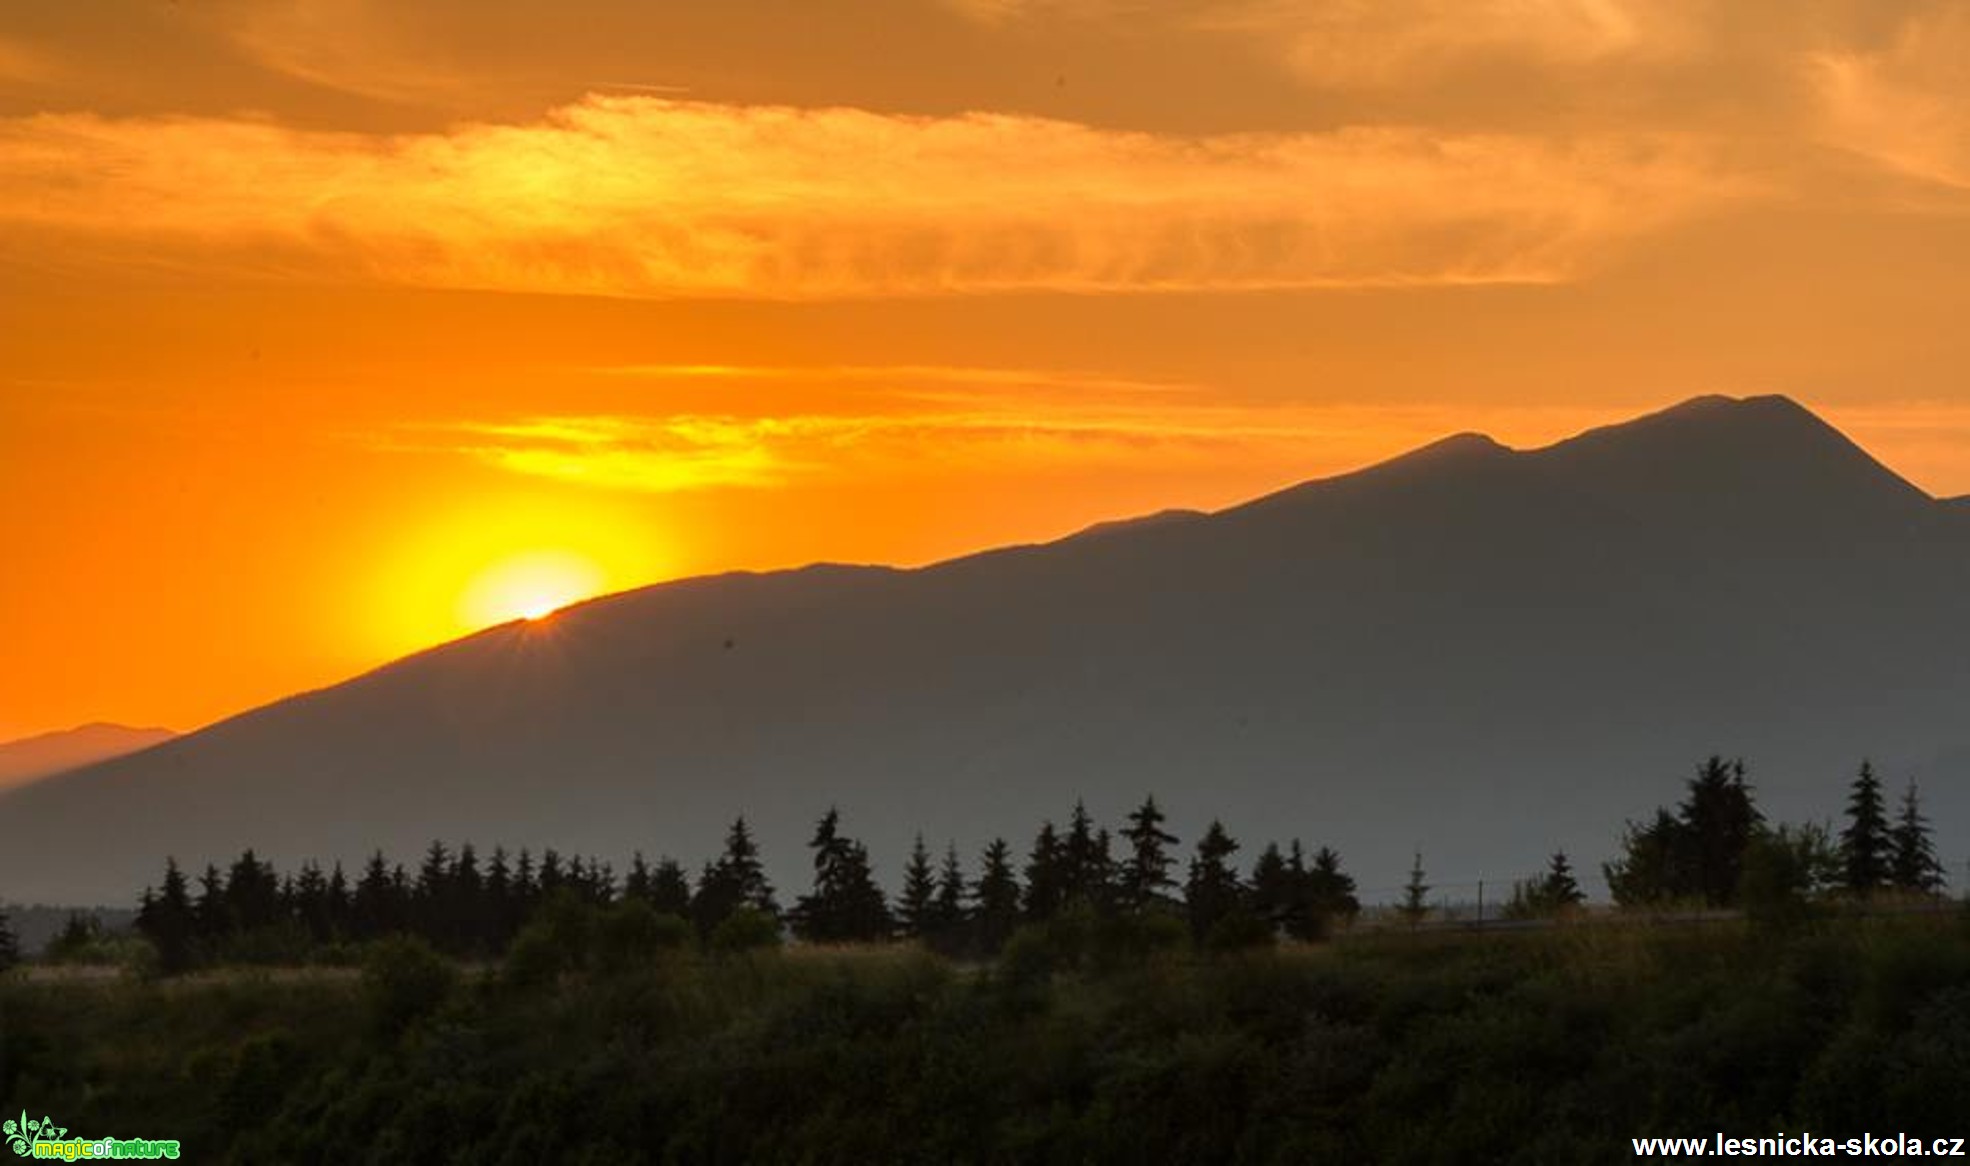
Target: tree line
[(469, 905), (1713, 849), (1717, 849)]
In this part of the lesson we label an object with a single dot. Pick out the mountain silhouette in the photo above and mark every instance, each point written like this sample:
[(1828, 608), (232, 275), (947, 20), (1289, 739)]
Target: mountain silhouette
[(1483, 653), (32, 758)]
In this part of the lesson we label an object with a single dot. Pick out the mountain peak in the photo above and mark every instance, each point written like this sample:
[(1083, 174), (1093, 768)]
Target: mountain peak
[(1458, 445), (1719, 456)]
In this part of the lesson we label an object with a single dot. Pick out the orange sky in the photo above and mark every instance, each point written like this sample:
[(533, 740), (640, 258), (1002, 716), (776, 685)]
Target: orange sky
[(330, 328)]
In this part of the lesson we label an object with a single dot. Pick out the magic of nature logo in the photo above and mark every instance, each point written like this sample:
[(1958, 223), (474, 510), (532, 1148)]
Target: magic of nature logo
[(29, 1138)]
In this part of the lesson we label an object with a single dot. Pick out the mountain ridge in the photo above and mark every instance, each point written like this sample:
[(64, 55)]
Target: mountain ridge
[(42, 755), (1362, 659)]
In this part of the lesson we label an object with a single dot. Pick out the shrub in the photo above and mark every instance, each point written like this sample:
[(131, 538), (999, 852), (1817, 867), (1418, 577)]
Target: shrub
[(404, 980), (632, 935), (535, 958), (1779, 876), (1239, 931), (747, 929)]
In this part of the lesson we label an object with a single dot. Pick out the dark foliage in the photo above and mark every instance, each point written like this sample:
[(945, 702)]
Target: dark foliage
[(1864, 843), (1697, 854), (1090, 1042), (1912, 863)]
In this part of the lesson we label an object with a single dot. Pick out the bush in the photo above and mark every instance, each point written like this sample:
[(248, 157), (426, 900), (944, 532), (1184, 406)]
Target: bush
[(1779, 877), (747, 929), (404, 980), (569, 924), (535, 959), (632, 934), (1122, 942), (1239, 931)]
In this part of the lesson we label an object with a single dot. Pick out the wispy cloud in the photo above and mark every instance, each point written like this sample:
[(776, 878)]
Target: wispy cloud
[(1349, 43), (1379, 43), (677, 452), (971, 420), (1906, 105), (630, 196), (911, 381)]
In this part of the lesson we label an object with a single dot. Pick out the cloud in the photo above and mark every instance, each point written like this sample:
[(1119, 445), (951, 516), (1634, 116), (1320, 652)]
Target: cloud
[(694, 451), (643, 197), (1906, 105), (1386, 43), (940, 420), (918, 381)]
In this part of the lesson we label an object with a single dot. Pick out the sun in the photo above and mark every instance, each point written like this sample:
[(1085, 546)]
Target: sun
[(529, 586)]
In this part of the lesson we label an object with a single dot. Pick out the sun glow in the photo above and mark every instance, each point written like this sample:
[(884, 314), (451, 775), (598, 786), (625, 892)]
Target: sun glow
[(530, 586)]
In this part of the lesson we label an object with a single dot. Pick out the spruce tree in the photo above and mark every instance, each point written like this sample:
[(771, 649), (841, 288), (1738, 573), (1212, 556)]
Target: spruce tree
[(551, 875), (1275, 888), (914, 905), (947, 911), (712, 902), (1213, 890), (864, 908), (670, 888), (10, 947), (375, 905), (1415, 894), (1083, 860), (212, 919), (252, 893), (1718, 821), (166, 920), (1864, 844), (736, 880), (815, 917), (846, 905), (1652, 867), (1145, 875), (1912, 864), (467, 920), (432, 894), (310, 902), (636, 884), (338, 907), (1045, 884), (995, 897), (1549, 894), (526, 887), (1560, 889), (500, 922), (1330, 889), (601, 881)]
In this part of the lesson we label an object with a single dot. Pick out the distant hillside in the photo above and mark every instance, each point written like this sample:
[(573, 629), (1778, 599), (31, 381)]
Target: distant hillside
[(32, 758), (1479, 652)]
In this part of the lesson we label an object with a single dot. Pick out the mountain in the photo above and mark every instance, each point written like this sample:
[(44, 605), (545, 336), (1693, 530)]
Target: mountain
[(33, 758), (1474, 651)]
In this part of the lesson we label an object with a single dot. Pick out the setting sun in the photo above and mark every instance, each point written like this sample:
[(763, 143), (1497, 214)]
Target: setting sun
[(530, 586)]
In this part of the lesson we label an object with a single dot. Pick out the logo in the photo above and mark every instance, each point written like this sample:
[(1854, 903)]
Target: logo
[(46, 1140)]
